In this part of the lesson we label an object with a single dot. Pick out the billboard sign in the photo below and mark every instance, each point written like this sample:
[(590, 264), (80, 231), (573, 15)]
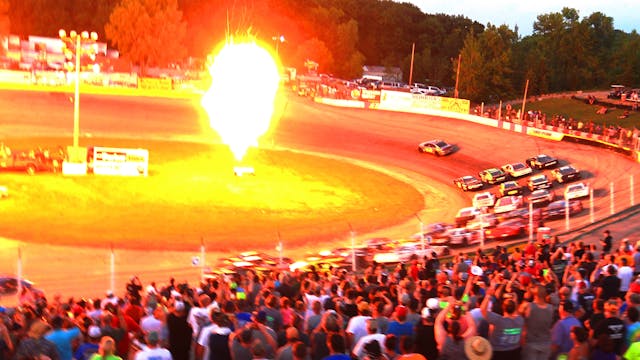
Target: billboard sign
[(120, 161)]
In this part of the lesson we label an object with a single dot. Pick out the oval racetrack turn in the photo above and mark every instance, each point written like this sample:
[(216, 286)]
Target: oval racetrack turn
[(384, 139)]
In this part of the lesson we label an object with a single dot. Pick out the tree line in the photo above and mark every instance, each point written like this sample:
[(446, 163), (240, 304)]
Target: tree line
[(564, 52)]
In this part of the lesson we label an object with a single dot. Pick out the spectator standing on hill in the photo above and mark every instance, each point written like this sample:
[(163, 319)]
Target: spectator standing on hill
[(63, 338), (625, 274), (606, 242)]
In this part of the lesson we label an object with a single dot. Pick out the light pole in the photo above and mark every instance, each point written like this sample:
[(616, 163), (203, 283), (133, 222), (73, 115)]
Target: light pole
[(278, 40), (76, 40)]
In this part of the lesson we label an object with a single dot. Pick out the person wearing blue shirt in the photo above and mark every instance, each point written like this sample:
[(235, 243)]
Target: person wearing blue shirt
[(561, 342), (62, 338), (337, 348)]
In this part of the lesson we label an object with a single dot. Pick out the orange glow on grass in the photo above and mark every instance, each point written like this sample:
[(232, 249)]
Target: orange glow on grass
[(240, 101)]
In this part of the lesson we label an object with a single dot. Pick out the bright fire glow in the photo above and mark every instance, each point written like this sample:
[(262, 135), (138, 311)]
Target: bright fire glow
[(240, 101)]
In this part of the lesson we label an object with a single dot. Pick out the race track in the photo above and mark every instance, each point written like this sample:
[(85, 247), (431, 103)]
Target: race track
[(382, 139)]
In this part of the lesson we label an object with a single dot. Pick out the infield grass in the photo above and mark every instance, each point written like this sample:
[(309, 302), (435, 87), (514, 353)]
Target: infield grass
[(191, 194)]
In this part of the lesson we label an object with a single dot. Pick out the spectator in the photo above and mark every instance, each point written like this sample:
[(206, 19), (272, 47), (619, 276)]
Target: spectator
[(606, 242), (87, 349), (478, 348), (407, 350), (213, 342), (561, 342), (63, 338), (580, 349), (35, 346), (357, 326), (337, 349), (390, 345), (610, 285), (507, 328), (425, 334), (180, 332), (107, 350), (286, 352), (153, 351), (330, 324), (399, 326), (538, 316), (613, 327), (625, 274), (372, 334)]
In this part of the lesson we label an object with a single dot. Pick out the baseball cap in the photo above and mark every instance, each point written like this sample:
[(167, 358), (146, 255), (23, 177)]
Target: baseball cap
[(94, 332), (401, 310), (426, 312), (433, 303)]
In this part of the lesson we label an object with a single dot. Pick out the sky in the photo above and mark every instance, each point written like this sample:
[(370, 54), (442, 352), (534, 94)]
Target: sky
[(625, 13)]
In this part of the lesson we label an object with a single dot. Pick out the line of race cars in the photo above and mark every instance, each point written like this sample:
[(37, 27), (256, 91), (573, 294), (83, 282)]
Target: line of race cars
[(505, 213)]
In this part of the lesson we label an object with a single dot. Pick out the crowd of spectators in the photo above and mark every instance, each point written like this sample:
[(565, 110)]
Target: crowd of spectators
[(543, 300)]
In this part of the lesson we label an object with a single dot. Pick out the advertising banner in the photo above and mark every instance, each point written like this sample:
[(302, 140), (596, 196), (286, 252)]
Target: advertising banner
[(551, 135), (120, 161), (154, 84)]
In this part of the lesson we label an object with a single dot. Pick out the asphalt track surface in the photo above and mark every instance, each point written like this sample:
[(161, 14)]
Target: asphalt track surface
[(383, 140)]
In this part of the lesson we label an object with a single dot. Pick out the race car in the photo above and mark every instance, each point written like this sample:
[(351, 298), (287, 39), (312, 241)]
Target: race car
[(492, 176), (541, 161), (436, 147), (565, 174), (538, 182), (517, 169), (468, 182), (510, 188)]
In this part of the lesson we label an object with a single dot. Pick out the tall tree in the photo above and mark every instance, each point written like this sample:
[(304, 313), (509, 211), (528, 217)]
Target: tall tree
[(148, 32)]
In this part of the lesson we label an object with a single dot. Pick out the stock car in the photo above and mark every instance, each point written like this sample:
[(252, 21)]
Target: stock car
[(510, 188), (538, 182), (468, 182), (541, 161), (541, 197), (484, 199), (508, 203), (506, 229), (408, 251), (436, 147), (492, 176), (482, 222), (556, 209), (462, 236), (432, 230), (576, 191), (465, 214), (565, 174), (517, 169)]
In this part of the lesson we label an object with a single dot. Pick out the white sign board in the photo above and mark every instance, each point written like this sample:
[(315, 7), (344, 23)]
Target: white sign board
[(120, 161)]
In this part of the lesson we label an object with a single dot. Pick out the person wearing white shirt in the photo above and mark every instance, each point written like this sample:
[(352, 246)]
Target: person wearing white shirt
[(153, 351), (625, 273), (372, 330)]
